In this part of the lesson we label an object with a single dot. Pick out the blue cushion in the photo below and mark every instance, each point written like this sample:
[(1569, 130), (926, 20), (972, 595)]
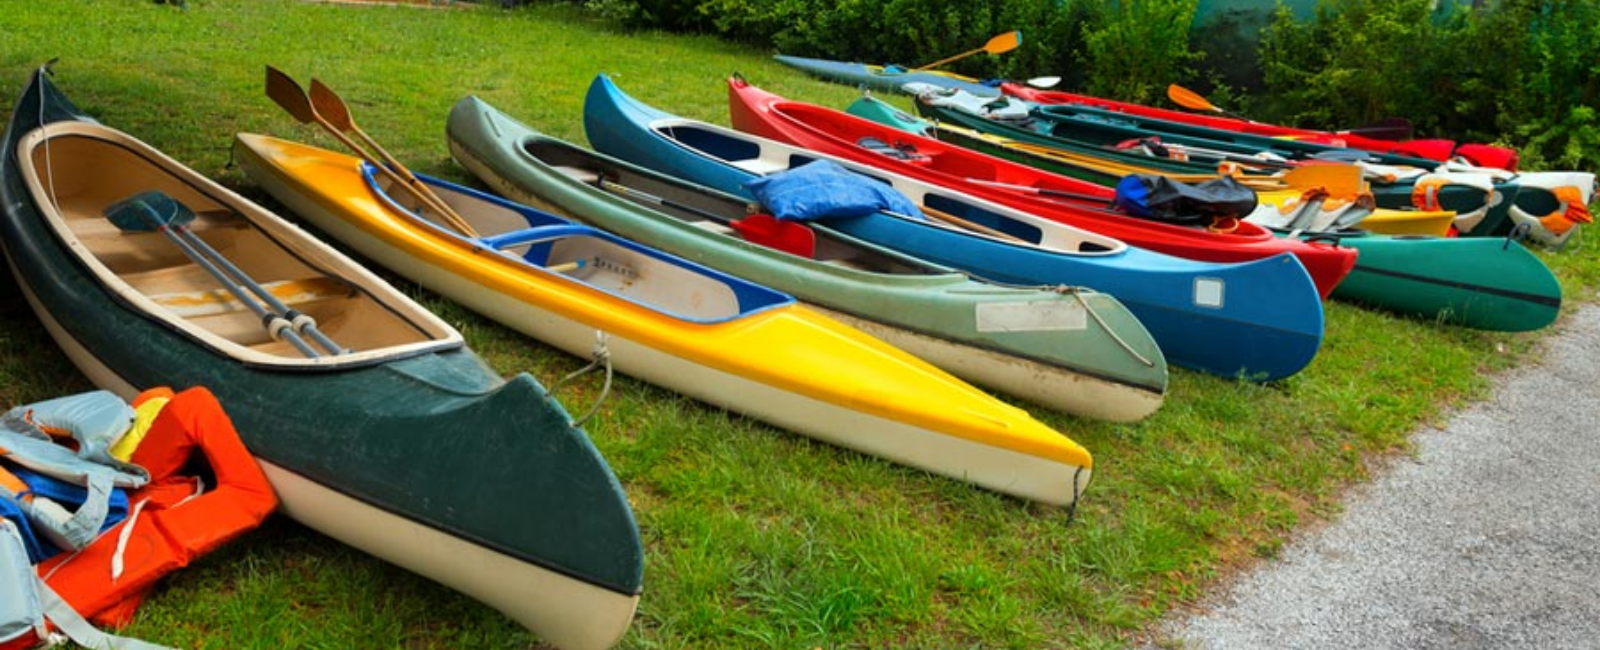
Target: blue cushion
[(821, 189)]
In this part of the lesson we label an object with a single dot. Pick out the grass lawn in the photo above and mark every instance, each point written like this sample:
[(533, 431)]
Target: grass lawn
[(755, 537)]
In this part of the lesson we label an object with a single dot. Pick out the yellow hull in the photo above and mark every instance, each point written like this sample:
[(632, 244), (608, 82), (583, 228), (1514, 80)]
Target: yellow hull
[(787, 365)]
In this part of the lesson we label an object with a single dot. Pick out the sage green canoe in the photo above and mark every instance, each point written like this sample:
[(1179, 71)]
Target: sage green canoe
[(1066, 348)]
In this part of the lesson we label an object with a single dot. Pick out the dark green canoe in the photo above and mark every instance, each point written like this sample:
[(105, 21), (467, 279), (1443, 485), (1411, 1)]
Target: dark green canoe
[(407, 446)]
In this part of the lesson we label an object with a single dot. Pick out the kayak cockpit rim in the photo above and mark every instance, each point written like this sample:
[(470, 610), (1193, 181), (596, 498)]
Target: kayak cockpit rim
[(578, 254), (369, 319)]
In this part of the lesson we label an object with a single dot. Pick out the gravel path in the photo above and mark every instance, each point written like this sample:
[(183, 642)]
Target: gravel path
[(1489, 537)]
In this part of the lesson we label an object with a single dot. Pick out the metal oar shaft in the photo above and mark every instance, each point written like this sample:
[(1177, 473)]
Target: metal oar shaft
[(275, 324), (301, 323)]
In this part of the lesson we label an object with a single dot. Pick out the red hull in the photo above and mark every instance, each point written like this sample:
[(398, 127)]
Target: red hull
[(836, 133), (1440, 150)]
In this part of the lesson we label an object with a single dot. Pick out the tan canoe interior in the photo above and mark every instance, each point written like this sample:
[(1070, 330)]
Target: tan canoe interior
[(96, 169)]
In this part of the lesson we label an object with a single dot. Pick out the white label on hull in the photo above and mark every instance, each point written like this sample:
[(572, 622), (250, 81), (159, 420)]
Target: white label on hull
[(1052, 315), (1208, 292)]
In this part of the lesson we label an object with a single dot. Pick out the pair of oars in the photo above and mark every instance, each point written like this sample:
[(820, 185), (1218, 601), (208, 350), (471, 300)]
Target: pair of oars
[(328, 110), (154, 210)]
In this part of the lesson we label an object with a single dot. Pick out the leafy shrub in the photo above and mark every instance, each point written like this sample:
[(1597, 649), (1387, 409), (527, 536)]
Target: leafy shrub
[(1139, 48), (1522, 71)]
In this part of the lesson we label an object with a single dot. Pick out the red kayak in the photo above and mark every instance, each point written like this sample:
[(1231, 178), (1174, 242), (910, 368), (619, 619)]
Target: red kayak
[(840, 134), (1431, 149)]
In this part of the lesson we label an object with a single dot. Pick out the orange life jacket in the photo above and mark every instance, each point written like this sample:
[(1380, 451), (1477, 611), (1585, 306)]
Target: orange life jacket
[(172, 520)]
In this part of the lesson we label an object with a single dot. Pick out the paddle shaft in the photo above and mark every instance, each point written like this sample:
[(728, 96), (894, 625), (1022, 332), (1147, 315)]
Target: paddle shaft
[(276, 325), (997, 45), (969, 225), (618, 188), (418, 188), (299, 321), (777, 234), (427, 199)]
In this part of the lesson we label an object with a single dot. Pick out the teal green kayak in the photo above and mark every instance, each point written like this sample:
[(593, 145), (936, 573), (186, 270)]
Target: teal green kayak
[(1073, 350)]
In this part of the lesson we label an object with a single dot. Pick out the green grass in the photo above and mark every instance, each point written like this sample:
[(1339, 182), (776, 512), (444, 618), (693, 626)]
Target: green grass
[(754, 537)]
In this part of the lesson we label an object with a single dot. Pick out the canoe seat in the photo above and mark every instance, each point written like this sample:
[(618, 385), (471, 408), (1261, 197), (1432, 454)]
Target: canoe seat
[(211, 301)]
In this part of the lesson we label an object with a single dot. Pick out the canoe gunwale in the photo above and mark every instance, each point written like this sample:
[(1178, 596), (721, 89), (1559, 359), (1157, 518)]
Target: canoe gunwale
[(444, 337)]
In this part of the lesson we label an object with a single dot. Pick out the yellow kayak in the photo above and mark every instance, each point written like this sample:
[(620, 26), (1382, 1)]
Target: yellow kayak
[(676, 324)]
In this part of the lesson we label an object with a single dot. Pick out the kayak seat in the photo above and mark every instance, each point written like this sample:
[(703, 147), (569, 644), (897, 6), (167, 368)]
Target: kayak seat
[(531, 235), (538, 241)]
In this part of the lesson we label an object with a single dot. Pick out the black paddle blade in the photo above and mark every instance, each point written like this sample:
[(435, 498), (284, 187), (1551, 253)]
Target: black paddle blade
[(287, 94), (147, 211)]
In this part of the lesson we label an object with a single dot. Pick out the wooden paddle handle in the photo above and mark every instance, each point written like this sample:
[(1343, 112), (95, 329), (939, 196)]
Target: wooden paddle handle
[(969, 225)]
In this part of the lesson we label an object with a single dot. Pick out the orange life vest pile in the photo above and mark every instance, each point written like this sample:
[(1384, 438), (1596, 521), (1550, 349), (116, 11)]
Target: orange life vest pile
[(204, 489)]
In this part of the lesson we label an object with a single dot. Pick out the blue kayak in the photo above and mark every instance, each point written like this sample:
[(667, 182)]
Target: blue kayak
[(886, 78), (1261, 320)]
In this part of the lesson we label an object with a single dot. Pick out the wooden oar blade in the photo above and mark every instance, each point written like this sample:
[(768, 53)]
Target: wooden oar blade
[(1003, 43), (330, 106), (286, 93)]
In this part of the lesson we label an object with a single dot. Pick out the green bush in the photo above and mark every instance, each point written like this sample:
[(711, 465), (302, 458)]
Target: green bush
[(1139, 48), (1521, 72)]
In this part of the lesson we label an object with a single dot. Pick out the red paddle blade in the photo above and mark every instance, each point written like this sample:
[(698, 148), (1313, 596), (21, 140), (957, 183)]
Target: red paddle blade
[(774, 233)]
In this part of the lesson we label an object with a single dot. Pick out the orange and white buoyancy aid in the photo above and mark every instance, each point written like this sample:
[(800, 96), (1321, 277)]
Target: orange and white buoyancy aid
[(1552, 219), (173, 519)]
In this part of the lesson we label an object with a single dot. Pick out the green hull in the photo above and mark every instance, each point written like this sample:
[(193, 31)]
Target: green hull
[(1097, 360), (1490, 284), (427, 436), (1478, 282)]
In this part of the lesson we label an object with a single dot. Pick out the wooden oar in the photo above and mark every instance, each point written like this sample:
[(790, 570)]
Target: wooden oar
[(939, 215), (332, 108), (287, 94), (1389, 128), (998, 45)]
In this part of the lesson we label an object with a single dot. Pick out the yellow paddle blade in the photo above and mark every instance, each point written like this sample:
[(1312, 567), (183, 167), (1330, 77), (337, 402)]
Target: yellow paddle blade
[(1003, 43), (997, 45), (1190, 99), (1339, 180)]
